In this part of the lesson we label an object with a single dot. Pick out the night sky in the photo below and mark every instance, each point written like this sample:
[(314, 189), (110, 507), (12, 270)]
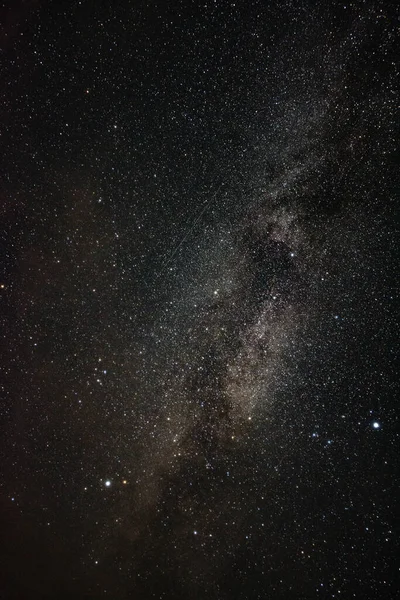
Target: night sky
[(198, 300)]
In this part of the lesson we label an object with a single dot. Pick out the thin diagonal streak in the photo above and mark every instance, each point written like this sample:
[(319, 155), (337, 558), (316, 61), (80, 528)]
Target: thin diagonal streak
[(189, 231)]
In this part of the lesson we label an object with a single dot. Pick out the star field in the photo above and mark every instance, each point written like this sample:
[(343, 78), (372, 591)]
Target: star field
[(199, 301)]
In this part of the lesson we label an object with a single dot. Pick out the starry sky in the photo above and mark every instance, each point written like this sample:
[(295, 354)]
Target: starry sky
[(198, 300)]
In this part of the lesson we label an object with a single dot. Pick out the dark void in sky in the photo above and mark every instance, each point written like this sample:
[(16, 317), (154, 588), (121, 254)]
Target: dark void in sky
[(198, 306)]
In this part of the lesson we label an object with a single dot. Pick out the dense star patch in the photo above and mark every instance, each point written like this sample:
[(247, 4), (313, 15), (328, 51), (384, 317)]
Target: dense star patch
[(198, 273)]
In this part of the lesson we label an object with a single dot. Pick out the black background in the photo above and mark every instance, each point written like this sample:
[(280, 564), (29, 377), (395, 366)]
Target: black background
[(149, 149)]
